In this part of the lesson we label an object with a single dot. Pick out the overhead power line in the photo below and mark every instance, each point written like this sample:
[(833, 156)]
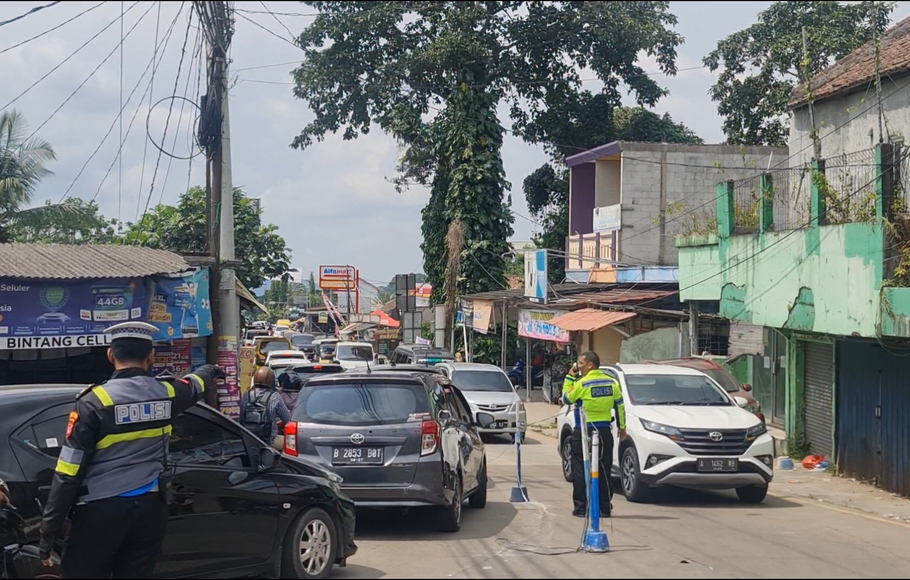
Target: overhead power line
[(74, 53), (95, 70), (48, 31), (30, 12)]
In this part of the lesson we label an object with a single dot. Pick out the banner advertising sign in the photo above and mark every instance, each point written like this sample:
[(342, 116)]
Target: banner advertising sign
[(536, 324), (163, 363), (180, 306), (338, 278), (247, 367), (229, 391), (52, 314), (536, 276)]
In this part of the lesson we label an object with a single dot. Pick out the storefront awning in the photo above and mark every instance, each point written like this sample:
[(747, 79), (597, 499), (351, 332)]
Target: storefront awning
[(590, 319), (357, 327), (248, 298)]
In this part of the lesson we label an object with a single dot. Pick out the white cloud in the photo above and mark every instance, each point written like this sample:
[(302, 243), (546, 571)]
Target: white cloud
[(332, 202)]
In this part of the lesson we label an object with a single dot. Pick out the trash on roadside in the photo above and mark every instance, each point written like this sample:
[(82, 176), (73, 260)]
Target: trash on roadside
[(812, 461), (785, 463)]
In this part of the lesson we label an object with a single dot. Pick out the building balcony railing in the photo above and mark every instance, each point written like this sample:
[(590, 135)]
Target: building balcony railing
[(595, 251)]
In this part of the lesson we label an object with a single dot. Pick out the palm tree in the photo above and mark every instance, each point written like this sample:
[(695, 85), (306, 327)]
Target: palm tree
[(22, 167)]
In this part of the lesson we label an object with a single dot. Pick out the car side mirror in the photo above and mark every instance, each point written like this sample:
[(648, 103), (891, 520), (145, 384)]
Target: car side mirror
[(740, 401), (445, 415), (268, 459), (485, 420), (747, 387)]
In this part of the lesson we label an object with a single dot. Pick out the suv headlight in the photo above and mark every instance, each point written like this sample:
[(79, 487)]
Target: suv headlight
[(756, 408), (756, 431), (671, 432)]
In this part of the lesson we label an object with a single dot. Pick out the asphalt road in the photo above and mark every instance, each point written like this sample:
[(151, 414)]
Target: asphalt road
[(685, 534)]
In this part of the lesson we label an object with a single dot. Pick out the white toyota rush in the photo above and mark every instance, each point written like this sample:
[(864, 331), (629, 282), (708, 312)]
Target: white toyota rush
[(683, 430)]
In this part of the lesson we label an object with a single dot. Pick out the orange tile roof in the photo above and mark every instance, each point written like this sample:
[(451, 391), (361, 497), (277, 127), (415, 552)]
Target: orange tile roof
[(858, 68), (590, 319)]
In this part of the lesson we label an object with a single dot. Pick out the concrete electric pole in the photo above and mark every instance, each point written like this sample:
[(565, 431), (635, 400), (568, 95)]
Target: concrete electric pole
[(216, 21)]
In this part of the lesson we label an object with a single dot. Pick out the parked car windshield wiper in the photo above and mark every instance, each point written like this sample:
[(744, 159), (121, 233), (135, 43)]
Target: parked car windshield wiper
[(709, 403), (664, 403)]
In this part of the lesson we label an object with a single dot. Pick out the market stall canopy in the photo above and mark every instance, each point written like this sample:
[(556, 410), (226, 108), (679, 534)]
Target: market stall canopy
[(590, 319), (385, 319)]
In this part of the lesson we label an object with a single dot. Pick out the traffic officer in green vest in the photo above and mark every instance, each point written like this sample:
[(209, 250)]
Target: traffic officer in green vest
[(111, 468), (600, 395)]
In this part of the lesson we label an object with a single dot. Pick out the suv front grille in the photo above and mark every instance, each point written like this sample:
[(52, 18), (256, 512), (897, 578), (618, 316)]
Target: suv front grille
[(699, 441), (493, 408)]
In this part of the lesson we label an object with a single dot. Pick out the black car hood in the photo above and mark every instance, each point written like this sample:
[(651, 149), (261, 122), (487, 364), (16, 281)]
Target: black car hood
[(301, 466)]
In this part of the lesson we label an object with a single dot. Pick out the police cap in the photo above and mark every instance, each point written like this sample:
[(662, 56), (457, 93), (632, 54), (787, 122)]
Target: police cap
[(132, 329)]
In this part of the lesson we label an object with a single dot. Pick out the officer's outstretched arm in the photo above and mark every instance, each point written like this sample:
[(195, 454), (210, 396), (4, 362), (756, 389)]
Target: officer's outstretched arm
[(191, 388), (78, 447)]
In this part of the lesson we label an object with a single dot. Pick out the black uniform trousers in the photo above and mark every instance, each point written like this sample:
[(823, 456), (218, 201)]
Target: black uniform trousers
[(579, 491), (118, 537)]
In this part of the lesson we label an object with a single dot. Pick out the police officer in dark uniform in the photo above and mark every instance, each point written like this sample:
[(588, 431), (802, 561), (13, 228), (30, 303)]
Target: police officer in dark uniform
[(112, 461)]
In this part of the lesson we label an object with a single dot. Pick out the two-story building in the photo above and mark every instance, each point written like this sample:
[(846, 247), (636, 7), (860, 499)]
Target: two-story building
[(628, 201), (823, 264)]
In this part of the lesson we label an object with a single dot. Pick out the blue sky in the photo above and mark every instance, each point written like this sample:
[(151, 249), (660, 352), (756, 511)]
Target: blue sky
[(333, 203)]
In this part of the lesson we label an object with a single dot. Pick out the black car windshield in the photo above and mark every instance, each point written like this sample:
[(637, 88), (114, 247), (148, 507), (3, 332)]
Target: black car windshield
[(361, 404), (301, 340), (724, 379), (491, 381), (354, 352), (674, 390)]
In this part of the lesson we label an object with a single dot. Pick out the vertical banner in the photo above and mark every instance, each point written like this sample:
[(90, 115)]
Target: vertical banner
[(247, 367), (229, 391), (182, 357), (163, 363), (180, 306), (483, 315)]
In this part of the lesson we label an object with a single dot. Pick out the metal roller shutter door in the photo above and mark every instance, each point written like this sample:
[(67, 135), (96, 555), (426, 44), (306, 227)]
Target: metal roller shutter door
[(819, 394)]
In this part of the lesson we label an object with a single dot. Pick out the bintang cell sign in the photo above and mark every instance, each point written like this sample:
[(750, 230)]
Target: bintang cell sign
[(54, 314)]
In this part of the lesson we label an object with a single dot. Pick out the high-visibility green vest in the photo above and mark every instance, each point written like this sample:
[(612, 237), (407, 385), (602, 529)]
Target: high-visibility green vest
[(599, 394)]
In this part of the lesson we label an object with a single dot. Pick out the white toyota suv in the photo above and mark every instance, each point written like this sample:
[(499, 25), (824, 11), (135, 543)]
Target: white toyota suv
[(683, 430)]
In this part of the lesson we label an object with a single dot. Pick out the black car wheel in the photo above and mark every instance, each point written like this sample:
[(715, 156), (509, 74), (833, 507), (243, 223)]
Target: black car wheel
[(566, 452), (450, 518), (633, 488), (478, 499), (310, 547), (752, 493)]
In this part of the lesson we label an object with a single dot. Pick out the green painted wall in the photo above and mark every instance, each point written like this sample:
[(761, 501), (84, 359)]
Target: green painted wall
[(824, 279)]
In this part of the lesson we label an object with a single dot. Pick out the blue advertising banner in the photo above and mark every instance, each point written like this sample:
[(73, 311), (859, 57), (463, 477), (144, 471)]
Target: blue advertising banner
[(58, 314), (180, 306)]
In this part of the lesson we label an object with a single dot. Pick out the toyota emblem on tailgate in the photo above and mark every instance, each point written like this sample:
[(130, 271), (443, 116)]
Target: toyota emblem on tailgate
[(357, 438), (714, 435)]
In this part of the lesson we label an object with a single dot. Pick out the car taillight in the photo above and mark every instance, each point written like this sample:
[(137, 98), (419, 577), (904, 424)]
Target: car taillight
[(290, 439), (429, 438)]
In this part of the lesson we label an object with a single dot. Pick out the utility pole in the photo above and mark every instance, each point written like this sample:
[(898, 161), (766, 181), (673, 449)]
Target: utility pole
[(216, 21)]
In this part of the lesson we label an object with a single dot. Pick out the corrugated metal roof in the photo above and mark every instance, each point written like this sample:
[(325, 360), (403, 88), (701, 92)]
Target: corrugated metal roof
[(617, 296), (63, 262), (590, 319)]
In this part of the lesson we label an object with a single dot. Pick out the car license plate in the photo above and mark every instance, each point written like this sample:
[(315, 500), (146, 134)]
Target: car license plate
[(357, 456), (500, 424), (708, 465)]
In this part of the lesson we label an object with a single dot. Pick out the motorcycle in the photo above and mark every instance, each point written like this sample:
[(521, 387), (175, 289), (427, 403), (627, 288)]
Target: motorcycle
[(554, 376), (20, 559), (517, 374)]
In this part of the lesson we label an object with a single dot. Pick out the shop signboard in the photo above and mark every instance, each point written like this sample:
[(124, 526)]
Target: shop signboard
[(247, 367), (536, 324), (229, 390), (56, 314), (180, 306), (182, 357), (163, 363)]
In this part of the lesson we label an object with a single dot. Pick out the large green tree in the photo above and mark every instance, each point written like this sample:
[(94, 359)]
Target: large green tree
[(760, 66), (262, 252), (591, 120), (82, 224), (432, 74), (23, 164)]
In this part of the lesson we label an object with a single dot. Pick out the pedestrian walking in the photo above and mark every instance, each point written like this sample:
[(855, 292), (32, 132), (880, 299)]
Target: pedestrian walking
[(111, 468), (262, 408), (600, 396)]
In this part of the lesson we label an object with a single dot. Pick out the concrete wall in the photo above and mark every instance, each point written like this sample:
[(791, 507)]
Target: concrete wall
[(824, 279), (607, 182), (670, 179), (845, 122), (607, 343)]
